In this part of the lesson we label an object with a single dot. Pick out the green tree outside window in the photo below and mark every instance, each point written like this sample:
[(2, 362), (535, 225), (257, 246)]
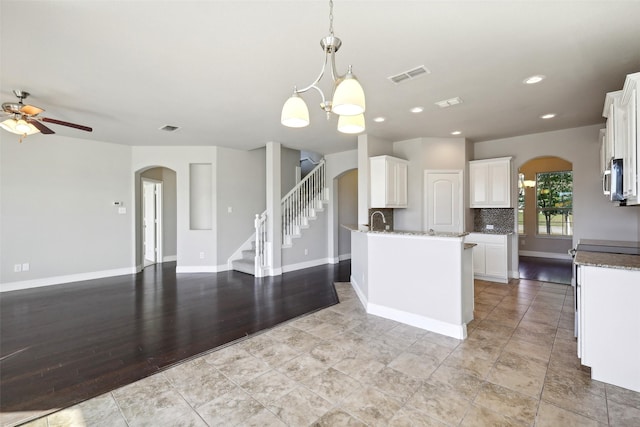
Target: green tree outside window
[(554, 196)]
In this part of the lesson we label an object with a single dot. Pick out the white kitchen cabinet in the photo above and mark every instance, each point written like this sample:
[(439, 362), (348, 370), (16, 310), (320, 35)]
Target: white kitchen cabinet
[(608, 336), (490, 183), (388, 182), (630, 118), (622, 136), (490, 256)]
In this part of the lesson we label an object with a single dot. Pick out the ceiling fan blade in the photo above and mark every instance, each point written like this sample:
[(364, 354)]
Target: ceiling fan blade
[(42, 128), (31, 110), (71, 125)]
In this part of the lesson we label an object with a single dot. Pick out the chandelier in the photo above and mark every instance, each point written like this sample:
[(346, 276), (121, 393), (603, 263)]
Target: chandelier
[(348, 97)]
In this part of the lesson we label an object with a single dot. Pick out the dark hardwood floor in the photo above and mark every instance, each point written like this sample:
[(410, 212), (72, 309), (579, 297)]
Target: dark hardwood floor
[(546, 269), (60, 345)]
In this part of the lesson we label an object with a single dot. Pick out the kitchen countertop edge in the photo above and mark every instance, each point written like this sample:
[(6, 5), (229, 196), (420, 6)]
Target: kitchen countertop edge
[(365, 229), (608, 260)]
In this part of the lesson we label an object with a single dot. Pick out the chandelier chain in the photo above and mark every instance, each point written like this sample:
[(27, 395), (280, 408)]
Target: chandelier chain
[(331, 17)]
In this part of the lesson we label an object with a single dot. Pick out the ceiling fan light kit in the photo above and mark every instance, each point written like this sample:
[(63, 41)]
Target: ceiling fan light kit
[(24, 119), (348, 100)]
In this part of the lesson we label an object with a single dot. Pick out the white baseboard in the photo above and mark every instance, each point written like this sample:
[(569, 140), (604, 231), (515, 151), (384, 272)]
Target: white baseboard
[(344, 257), (201, 268), (170, 258), (59, 280), (306, 264), (422, 322), (361, 296), (537, 254)]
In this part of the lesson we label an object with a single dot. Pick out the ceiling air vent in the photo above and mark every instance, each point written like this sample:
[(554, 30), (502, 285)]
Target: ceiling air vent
[(169, 128), (409, 75), (449, 102)]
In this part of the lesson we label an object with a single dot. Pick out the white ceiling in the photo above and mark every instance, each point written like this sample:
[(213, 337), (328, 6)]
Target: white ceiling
[(221, 70)]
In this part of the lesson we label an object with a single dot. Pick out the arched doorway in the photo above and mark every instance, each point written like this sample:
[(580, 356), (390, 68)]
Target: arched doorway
[(545, 219), (347, 210), (156, 216)]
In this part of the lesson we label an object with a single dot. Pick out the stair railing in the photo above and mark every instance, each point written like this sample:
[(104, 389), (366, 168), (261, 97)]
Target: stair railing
[(297, 203), (261, 259)]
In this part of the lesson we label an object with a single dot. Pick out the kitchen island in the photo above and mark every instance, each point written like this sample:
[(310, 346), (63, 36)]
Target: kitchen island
[(418, 278)]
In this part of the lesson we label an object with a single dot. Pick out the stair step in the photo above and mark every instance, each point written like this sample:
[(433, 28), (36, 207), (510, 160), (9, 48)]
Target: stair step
[(244, 266), (249, 254)]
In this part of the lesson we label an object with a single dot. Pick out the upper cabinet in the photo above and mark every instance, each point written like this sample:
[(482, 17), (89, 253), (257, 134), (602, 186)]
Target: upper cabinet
[(388, 182), (490, 183), (622, 136)]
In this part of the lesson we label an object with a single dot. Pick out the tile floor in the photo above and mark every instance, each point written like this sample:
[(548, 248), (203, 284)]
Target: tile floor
[(342, 367)]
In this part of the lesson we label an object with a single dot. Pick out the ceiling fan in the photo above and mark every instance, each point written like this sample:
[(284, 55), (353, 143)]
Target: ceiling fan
[(24, 119)]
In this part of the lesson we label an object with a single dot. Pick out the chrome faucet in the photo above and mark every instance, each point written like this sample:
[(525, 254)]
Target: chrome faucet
[(384, 221)]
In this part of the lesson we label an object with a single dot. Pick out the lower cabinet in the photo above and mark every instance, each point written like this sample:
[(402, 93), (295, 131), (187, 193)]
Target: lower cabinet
[(490, 256), (608, 319)]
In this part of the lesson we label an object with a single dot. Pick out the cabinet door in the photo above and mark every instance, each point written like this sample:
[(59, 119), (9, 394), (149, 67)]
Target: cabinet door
[(478, 258), (495, 260), (630, 162), (401, 184), (478, 184), (499, 180), (392, 183)]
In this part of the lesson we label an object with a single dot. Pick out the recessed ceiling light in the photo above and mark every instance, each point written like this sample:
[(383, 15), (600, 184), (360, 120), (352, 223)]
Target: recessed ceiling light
[(534, 79), (169, 128), (417, 110), (456, 132), (379, 119), (548, 116)]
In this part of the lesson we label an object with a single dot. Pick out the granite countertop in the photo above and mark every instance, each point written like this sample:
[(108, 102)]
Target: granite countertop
[(365, 229), (607, 260)]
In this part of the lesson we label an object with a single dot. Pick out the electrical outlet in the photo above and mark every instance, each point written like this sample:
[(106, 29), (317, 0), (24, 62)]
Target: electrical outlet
[(201, 255), (306, 251), (17, 268), (489, 226), (25, 266), (523, 242), (229, 209)]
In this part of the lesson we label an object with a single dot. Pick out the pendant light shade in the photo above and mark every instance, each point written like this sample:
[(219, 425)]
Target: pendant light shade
[(348, 95), (295, 113), (351, 124), (19, 127), (348, 99)]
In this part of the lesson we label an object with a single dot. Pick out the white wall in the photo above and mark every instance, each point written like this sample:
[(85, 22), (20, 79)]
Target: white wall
[(289, 161), (336, 165), (190, 243), (426, 153), (241, 176), (347, 210), (594, 216), (56, 204)]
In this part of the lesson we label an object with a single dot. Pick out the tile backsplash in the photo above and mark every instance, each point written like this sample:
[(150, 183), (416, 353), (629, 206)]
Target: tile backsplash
[(501, 218), (378, 224)]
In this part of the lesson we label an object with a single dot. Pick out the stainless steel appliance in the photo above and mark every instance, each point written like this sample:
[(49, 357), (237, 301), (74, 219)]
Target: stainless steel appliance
[(612, 181)]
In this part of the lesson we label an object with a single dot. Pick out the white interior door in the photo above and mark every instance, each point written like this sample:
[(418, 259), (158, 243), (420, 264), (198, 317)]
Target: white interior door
[(443, 201), (151, 220)]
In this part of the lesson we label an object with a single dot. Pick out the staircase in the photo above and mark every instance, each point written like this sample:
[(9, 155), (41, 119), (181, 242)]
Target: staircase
[(299, 207)]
